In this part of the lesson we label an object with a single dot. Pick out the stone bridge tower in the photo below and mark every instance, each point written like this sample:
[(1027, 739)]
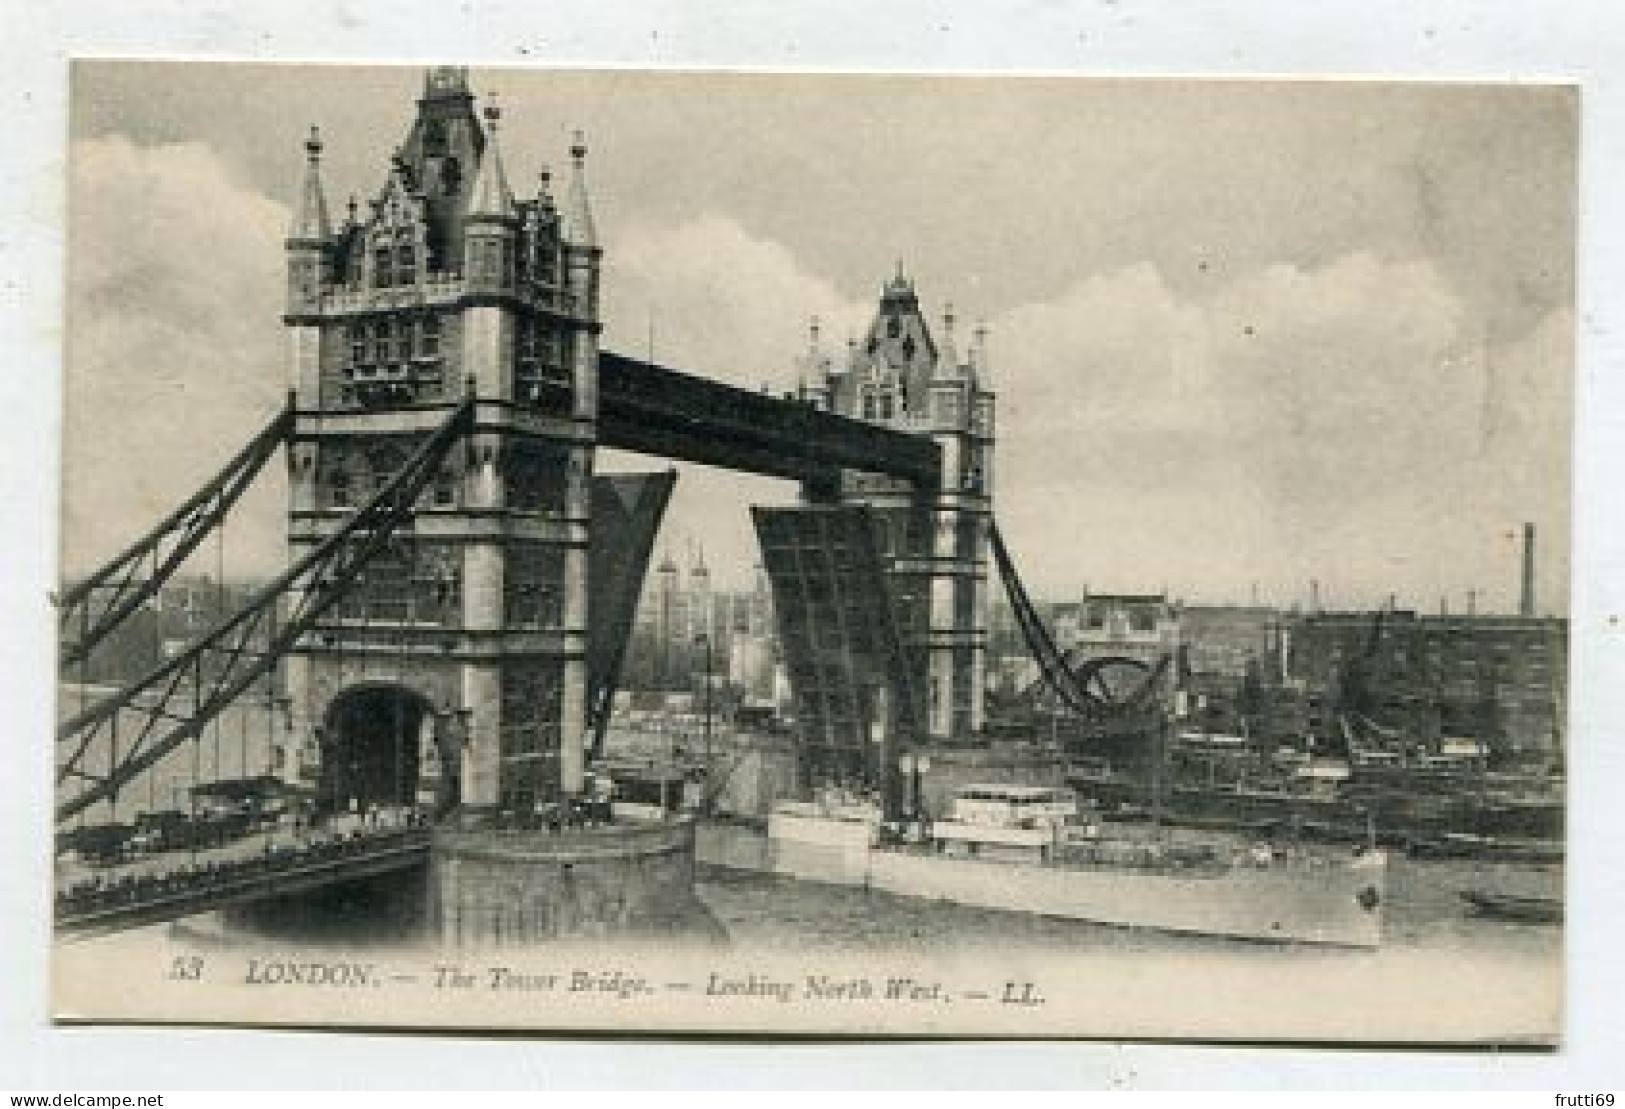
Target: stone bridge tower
[(468, 634), (902, 376)]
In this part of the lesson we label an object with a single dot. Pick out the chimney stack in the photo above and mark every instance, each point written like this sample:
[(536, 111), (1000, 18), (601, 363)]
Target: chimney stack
[(1526, 599)]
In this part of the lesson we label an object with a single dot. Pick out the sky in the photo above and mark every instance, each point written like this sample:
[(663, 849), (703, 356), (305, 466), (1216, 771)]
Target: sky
[(1244, 334)]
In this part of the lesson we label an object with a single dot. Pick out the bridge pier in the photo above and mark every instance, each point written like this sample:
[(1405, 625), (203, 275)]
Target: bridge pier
[(497, 888)]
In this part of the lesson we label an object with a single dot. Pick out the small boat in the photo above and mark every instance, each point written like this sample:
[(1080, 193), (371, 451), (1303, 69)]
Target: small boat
[(1462, 845), (1508, 906)]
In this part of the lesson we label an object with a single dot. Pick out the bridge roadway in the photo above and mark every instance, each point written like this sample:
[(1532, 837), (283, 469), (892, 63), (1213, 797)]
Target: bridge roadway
[(263, 864)]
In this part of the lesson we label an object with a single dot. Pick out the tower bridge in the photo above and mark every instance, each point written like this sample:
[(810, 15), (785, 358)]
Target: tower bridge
[(448, 633)]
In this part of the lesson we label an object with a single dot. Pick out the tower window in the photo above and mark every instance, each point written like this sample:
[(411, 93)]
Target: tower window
[(429, 336), (338, 485), (885, 406), (406, 264), (868, 406), (434, 138), (547, 265), (445, 486), (381, 267)]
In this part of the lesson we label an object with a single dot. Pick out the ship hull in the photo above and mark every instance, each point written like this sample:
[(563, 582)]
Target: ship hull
[(1338, 901)]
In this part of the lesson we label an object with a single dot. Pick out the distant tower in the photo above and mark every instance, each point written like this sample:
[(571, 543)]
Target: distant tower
[(474, 620), (1526, 597), (669, 607), (901, 376), (701, 619)]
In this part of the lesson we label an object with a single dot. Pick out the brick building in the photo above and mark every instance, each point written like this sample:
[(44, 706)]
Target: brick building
[(1499, 679)]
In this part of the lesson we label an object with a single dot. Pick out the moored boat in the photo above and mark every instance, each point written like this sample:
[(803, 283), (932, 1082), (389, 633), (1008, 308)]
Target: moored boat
[(1461, 845), (1514, 907), (1026, 848)]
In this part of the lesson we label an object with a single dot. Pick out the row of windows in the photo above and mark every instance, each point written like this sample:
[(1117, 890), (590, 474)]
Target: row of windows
[(880, 406), (345, 489), (398, 263), (394, 264), (490, 261), (391, 339), (537, 341), (397, 586)]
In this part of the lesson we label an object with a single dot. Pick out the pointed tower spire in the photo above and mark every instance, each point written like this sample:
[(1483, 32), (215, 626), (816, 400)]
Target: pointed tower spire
[(980, 371), (310, 223), (807, 368), (544, 189), (491, 196), (578, 225), (445, 80), (947, 367)]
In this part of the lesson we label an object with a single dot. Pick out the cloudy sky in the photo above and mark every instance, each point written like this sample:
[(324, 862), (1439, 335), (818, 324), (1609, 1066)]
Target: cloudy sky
[(1243, 333)]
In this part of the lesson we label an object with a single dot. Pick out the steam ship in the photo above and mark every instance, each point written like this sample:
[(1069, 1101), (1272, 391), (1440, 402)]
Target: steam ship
[(1029, 849)]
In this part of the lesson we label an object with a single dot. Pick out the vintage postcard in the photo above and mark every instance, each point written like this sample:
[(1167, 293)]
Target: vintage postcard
[(815, 554)]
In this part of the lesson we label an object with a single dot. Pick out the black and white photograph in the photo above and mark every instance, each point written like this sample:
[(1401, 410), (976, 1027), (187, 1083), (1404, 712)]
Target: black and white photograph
[(820, 554)]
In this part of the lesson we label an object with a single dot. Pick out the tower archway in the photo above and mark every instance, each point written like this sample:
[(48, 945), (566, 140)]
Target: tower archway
[(373, 740)]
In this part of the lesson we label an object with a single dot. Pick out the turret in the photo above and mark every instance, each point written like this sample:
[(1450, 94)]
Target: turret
[(980, 372), (491, 221), (814, 370), (581, 259), (949, 400), (947, 367), (979, 474), (490, 228), (490, 200), (579, 229), (309, 236)]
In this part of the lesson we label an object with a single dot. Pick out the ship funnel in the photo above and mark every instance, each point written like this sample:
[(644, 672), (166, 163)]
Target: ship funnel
[(1526, 598)]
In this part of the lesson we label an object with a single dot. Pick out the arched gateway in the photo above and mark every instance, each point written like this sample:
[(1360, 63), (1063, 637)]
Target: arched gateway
[(381, 746)]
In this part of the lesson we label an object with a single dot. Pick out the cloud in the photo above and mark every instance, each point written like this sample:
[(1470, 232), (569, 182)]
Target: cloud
[(723, 302), (175, 351), (1347, 421), (1340, 422), (729, 305)]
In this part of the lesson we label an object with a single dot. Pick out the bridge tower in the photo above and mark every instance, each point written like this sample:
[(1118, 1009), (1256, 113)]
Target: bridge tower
[(902, 376), (471, 629)]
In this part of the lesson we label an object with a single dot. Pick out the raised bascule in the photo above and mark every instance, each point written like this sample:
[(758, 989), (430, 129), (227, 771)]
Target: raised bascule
[(449, 630)]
